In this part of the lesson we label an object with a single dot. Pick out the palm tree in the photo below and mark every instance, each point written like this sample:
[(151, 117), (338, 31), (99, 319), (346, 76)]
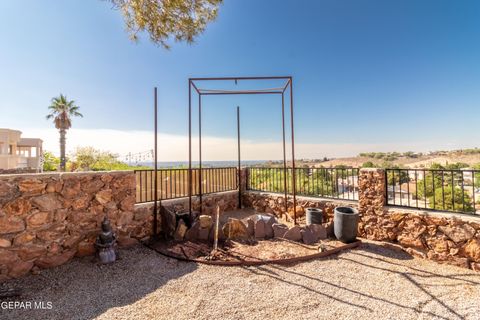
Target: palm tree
[(61, 111)]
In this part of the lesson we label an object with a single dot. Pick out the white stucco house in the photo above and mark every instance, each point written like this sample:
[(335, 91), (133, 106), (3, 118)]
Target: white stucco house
[(19, 153)]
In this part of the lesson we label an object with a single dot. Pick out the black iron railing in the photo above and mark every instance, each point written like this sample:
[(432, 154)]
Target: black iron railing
[(338, 183), (173, 183), (431, 189)]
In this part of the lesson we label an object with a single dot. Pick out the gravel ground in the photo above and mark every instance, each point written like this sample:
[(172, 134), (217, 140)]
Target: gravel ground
[(371, 282)]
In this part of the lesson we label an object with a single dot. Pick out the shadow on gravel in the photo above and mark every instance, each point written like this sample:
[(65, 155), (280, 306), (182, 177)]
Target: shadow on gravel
[(376, 254), (81, 289)]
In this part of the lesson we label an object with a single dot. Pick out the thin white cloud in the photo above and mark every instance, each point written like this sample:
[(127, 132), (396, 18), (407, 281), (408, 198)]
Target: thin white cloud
[(175, 147)]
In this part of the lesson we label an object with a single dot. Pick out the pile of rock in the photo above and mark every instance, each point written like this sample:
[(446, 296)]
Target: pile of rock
[(259, 227)]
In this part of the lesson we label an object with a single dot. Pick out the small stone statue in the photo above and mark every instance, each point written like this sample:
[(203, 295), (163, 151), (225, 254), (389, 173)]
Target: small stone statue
[(105, 243)]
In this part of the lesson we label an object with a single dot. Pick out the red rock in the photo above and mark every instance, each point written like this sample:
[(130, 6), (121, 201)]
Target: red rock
[(71, 188), (60, 215), (50, 235), (39, 219), (104, 196), (54, 248), (458, 233), (11, 225), (319, 231), (7, 256), (5, 243), (9, 191), (46, 202), (19, 206), (81, 203), (24, 238), (20, 268), (55, 260), (72, 241), (279, 230), (31, 251), (124, 218), (260, 229), (93, 186), (308, 237), (235, 229), (472, 250), (85, 249), (407, 241), (128, 203), (31, 186), (293, 234)]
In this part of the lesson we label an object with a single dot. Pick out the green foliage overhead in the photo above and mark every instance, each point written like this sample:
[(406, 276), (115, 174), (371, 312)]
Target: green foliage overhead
[(181, 20)]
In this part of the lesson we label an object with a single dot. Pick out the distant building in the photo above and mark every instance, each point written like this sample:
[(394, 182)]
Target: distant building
[(19, 153)]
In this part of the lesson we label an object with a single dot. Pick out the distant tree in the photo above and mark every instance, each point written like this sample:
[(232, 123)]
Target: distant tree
[(397, 177), (61, 111), (91, 159), (50, 162), (368, 164), (181, 20), (461, 200)]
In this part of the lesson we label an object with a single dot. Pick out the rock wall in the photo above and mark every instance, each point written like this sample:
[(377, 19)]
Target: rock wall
[(46, 219), (443, 237)]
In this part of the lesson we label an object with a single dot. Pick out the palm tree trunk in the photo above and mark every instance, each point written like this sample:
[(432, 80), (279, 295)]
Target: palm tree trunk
[(63, 160)]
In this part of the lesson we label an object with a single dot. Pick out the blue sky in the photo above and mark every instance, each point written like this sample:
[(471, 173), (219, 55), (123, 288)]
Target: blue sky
[(368, 75)]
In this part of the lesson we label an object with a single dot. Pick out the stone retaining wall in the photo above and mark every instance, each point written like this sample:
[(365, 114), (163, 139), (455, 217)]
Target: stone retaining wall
[(46, 219), (443, 237)]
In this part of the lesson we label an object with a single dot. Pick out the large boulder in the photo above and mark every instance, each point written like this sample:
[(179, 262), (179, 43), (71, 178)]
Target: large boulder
[(235, 229), (181, 230), (279, 230), (293, 234), (308, 237), (192, 233), (250, 227), (260, 229), (205, 221), (269, 227), (319, 231), (458, 233)]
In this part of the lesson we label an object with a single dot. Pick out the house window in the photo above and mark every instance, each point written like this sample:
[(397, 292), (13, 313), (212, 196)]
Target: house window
[(10, 149)]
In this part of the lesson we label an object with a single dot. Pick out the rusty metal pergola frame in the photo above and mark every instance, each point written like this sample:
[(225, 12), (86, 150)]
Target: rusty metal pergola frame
[(193, 83)]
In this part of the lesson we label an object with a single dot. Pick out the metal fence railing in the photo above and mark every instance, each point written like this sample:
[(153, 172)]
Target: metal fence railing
[(445, 190), (173, 183), (337, 183)]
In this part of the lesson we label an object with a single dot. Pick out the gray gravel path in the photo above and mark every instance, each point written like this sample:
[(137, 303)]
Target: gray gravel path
[(371, 282)]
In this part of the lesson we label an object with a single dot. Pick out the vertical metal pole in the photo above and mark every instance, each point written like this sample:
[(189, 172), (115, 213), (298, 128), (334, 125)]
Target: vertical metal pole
[(239, 161), (190, 147), (200, 149), (293, 154), (155, 186), (284, 156)]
